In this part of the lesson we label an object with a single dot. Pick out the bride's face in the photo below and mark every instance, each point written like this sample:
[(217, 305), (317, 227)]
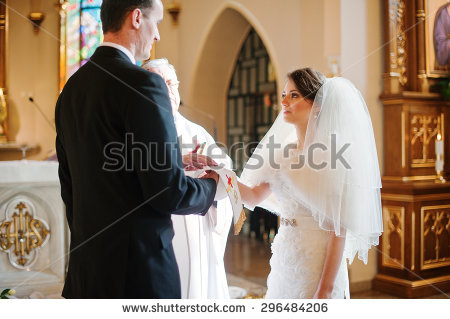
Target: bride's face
[(296, 108)]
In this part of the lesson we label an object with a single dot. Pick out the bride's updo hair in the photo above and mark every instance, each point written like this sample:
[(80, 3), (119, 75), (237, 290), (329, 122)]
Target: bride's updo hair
[(308, 82)]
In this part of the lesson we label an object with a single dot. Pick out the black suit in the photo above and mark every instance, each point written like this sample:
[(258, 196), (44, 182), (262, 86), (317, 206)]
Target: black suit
[(121, 237)]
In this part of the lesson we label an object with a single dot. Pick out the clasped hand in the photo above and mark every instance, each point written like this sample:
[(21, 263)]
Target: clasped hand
[(194, 161)]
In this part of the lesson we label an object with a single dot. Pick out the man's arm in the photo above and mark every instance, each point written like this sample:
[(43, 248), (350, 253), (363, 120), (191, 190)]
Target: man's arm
[(150, 121)]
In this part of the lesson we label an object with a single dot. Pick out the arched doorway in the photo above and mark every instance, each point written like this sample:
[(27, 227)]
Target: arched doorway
[(234, 93), (209, 92), (209, 84)]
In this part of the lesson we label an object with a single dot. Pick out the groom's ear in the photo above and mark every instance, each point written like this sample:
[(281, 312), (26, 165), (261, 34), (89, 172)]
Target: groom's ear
[(137, 18)]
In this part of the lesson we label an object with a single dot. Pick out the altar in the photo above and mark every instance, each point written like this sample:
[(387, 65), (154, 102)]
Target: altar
[(33, 229)]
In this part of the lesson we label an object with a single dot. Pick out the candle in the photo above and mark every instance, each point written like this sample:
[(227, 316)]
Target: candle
[(2, 106), (439, 145), (2, 98), (2, 113)]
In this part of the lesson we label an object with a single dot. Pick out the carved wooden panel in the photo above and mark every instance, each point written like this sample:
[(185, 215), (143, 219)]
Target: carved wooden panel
[(411, 126), (435, 235), (423, 131), (393, 254), (416, 217)]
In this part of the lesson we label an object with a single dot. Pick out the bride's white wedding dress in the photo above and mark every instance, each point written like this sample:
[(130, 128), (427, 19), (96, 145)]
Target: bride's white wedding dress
[(299, 249), (315, 201)]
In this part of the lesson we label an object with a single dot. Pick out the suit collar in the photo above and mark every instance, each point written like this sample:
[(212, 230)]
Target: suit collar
[(121, 48), (110, 52)]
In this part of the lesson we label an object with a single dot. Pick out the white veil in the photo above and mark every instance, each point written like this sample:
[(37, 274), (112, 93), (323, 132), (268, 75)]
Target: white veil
[(344, 195)]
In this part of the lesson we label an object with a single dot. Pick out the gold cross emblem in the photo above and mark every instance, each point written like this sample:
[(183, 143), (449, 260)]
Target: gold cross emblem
[(22, 234)]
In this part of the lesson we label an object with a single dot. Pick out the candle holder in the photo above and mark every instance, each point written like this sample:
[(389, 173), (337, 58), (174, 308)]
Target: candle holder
[(36, 15), (440, 179), (36, 19), (174, 9)]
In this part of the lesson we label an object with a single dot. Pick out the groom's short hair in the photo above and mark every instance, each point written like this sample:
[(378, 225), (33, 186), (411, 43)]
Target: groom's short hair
[(114, 12)]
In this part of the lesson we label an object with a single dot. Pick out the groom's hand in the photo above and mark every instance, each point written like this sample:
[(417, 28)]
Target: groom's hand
[(193, 161), (211, 174)]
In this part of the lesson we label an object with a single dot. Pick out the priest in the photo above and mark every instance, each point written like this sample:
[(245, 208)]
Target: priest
[(199, 241)]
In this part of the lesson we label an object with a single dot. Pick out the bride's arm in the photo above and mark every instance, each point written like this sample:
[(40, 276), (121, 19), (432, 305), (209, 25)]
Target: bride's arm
[(335, 250), (252, 196)]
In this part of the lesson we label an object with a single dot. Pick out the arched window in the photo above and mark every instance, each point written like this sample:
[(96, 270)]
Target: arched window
[(251, 110), (81, 34), (252, 97)]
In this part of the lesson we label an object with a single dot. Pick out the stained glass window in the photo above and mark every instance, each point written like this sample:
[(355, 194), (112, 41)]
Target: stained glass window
[(91, 3), (90, 32), (83, 33)]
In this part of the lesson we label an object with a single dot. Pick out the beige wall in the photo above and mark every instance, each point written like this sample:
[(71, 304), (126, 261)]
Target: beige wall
[(32, 69)]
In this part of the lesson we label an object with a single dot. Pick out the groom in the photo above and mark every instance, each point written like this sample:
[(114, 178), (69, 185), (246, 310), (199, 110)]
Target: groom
[(121, 175)]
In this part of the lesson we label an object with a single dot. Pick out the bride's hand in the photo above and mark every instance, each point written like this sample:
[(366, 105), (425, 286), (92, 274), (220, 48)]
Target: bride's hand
[(323, 293)]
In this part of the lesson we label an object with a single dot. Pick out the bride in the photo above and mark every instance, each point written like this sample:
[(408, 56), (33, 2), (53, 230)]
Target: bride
[(318, 168)]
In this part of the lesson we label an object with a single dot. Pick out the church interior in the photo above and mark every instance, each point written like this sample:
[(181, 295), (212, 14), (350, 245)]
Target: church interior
[(231, 58)]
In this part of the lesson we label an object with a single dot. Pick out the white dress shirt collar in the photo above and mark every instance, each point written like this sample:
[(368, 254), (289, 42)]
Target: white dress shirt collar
[(121, 48)]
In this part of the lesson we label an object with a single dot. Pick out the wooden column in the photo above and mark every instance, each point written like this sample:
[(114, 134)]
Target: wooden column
[(423, 85), (414, 257), (3, 55)]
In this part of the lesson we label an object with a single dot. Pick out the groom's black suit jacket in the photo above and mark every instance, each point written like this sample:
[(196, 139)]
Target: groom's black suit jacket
[(119, 211)]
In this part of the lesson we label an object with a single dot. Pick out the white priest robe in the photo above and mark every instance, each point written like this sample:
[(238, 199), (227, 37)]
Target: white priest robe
[(200, 241)]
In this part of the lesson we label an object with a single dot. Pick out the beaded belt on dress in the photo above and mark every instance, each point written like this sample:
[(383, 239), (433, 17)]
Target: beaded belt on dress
[(288, 222)]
